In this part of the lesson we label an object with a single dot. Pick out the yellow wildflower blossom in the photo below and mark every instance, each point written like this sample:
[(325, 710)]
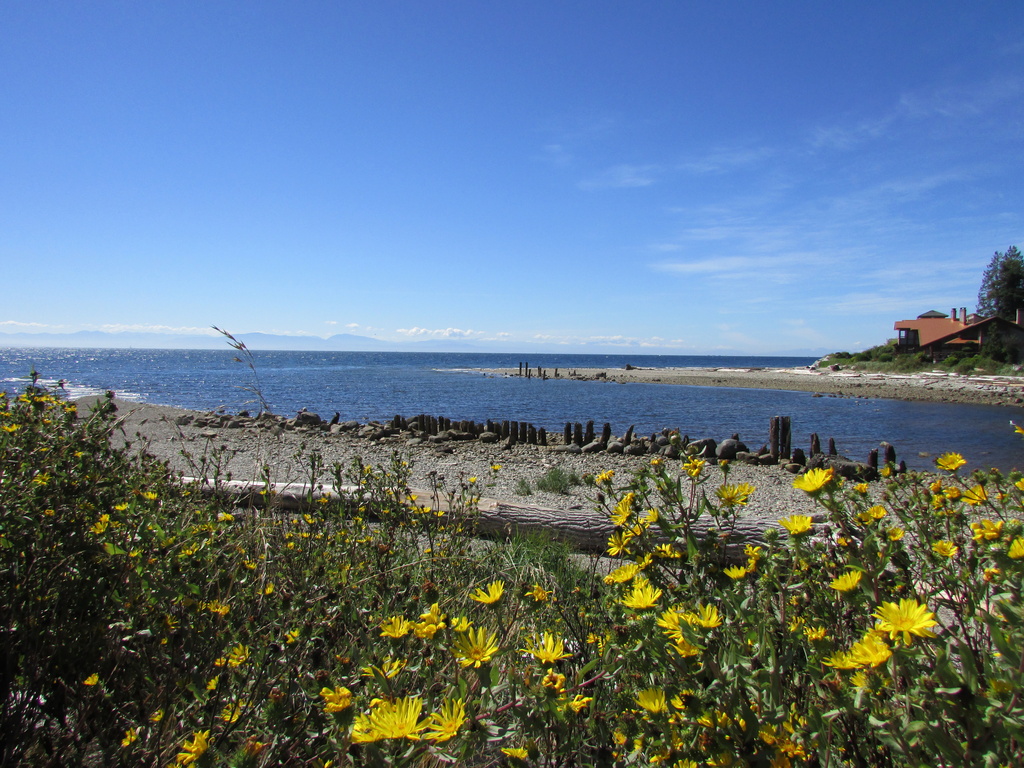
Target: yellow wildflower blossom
[(734, 495), (623, 509), (538, 593), (813, 481), (444, 725), (491, 595), (847, 582), (870, 651), (653, 700), (976, 495), (336, 699), (623, 574), (194, 748), (395, 627), (693, 467), (642, 596), (945, 548), (987, 530), (950, 462), (92, 679), (706, 616), (397, 719), (736, 571), (796, 524), (130, 737), (475, 647), (905, 619), (618, 543), (546, 649), (1016, 551)]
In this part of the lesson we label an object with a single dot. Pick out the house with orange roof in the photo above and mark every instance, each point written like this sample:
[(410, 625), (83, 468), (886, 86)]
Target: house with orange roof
[(940, 335)]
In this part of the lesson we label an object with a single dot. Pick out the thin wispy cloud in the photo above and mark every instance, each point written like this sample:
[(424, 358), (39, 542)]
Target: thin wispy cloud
[(619, 176), (439, 333)]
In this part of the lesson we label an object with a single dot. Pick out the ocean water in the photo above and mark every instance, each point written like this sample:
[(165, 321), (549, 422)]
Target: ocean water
[(379, 385)]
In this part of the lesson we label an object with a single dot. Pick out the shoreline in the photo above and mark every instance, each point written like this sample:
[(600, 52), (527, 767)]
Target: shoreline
[(932, 386), (241, 452)]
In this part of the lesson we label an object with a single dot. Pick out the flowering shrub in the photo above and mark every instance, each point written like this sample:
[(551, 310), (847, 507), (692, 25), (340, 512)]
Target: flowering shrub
[(144, 624)]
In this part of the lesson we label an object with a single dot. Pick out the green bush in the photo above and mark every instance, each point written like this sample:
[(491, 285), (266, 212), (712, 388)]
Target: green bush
[(145, 624), (557, 480)]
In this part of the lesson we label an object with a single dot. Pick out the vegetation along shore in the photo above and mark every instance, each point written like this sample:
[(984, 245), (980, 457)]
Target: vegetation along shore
[(150, 620)]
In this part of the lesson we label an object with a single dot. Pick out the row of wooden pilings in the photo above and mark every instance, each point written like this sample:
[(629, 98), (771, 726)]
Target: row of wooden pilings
[(779, 444)]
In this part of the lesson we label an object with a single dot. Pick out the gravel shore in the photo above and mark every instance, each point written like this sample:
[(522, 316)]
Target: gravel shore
[(244, 452)]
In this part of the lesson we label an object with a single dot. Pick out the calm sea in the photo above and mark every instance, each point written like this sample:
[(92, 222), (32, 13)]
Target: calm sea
[(379, 385)]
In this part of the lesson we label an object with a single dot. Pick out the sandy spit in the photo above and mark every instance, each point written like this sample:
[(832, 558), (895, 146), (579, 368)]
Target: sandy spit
[(932, 386)]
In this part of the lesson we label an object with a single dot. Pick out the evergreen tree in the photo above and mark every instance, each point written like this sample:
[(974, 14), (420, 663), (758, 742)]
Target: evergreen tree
[(1002, 285)]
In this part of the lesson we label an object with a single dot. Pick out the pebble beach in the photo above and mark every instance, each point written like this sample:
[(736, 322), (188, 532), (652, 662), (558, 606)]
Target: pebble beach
[(501, 472)]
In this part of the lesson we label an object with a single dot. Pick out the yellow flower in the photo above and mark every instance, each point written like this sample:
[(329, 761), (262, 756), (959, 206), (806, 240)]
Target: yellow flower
[(445, 724), (475, 647), (861, 488), (841, 660), (622, 574), (685, 648), (813, 481), (517, 752), (397, 719), (461, 624), (870, 515), (870, 651), (430, 623), (232, 712), (193, 749), (100, 525), (538, 593), (642, 596), (653, 700), (491, 596), (895, 534), (157, 716), (554, 680), (706, 616), (906, 619), (847, 582), (1017, 549), (950, 462), (579, 701), (987, 530), (945, 548), (623, 509), (736, 572), (617, 544), (291, 636), (546, 649), (814, 633), (92, 679), (735, 495), (992, 574), (336, 699), (395, 627), (388, 669), (796, 524), (149, 495), (693, 467), (605, 477), (667, 551), (130, 737), (976, 495)]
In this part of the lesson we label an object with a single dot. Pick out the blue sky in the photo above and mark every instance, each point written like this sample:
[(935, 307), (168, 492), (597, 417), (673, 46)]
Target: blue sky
[(737, 177)]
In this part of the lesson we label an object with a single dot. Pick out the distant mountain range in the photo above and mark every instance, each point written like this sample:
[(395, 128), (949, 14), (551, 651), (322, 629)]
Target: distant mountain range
[(346, 342)]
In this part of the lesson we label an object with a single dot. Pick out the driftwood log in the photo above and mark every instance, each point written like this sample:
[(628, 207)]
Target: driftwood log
[(585, 530)]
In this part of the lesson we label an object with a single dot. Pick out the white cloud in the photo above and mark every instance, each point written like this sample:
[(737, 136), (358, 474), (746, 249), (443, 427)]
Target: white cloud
[(19, 324), (439, 333)]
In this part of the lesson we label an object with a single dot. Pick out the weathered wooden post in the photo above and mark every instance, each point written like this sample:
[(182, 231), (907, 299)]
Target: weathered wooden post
[(542, 436), (606, 433), (889, 453), (577, 433), (628, 438), (505, 429), (567, 433), (531, 435), (773, 437), (815, 444), (588, 436), (785, 438), (520, 369), (832, 447), (873, 459)]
